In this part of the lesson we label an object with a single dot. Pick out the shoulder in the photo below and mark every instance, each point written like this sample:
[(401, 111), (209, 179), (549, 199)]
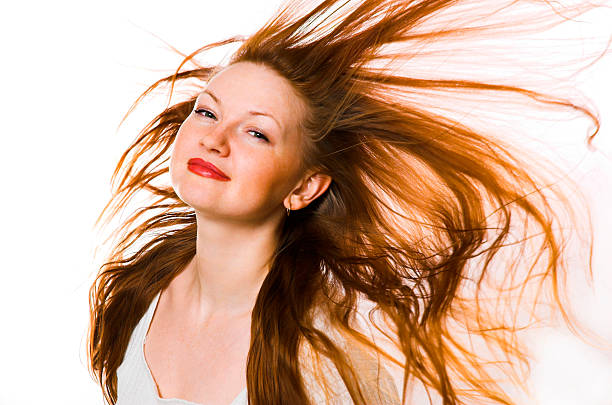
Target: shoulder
[(321, 376)]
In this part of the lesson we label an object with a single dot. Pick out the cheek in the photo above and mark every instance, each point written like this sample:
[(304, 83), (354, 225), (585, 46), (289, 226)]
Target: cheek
[(173, 166), (182, 135), (178, 155), (278, 175), (265, 176)]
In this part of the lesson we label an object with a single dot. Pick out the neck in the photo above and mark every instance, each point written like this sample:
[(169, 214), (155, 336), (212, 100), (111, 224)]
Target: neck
[(228, 269)]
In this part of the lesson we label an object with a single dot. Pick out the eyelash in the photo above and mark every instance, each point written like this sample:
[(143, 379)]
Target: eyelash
[(202, 110)]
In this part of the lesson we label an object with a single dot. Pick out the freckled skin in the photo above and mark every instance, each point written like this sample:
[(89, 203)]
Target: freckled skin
[(262, 172)]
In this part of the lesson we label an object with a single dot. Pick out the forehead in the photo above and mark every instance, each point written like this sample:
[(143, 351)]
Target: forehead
[(251, 86)]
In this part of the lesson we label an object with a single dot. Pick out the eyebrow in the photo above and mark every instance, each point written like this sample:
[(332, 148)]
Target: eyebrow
[(250, 112)]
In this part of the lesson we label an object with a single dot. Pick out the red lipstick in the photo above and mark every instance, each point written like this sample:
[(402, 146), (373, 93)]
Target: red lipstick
[(206, 169)]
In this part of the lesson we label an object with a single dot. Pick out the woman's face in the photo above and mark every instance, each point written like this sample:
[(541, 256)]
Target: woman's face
[(246, 124)]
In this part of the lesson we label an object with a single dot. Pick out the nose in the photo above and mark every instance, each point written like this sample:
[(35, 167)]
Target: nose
[(216, 140)]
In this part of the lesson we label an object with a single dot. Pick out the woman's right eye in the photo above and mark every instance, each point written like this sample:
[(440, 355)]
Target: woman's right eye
[(205, 113)]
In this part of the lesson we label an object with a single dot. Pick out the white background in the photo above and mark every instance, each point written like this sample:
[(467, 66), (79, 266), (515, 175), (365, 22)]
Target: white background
[(69, 72)]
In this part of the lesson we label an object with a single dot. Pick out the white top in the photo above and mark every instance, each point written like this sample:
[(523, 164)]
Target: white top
[(135, 383), (136, 386)]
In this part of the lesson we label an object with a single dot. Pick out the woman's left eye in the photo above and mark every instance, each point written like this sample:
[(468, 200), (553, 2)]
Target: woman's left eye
[(259, 135)]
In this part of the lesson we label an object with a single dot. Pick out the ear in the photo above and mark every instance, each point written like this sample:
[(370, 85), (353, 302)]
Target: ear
[(309, 188)]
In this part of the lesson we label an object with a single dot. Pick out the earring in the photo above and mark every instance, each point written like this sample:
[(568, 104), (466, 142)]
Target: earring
[(289, 209)]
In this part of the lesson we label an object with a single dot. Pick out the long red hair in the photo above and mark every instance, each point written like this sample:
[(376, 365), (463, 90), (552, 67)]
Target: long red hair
[(454, 235)]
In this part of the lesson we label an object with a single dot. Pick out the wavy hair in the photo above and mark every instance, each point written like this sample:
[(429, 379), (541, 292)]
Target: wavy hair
[(453, 235)]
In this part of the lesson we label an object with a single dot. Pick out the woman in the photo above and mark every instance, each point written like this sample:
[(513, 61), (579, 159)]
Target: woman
[(322, 237)]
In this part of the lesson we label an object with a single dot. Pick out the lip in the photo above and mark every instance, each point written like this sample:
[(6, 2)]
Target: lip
[(206, 169)]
